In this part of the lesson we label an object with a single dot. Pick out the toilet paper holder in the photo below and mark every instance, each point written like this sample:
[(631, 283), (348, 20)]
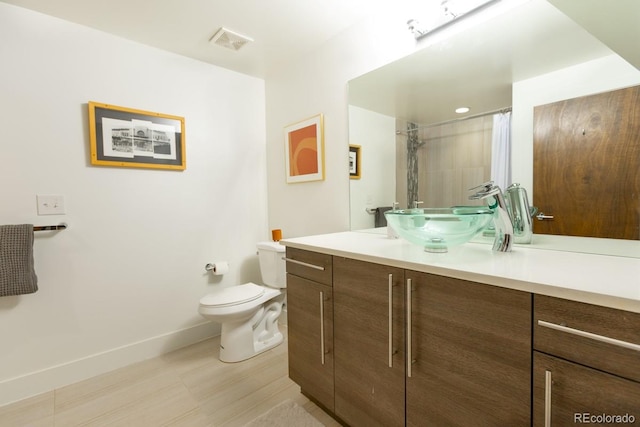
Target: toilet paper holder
[(218, 268)]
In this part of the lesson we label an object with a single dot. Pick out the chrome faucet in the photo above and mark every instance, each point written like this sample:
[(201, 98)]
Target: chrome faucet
[(501, 219)]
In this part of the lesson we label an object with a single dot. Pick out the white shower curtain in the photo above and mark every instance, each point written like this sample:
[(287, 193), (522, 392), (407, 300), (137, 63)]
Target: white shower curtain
[(501, 150)]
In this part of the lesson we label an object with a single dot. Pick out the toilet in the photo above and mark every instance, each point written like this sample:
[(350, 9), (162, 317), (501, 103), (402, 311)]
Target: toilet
[(249, 313)]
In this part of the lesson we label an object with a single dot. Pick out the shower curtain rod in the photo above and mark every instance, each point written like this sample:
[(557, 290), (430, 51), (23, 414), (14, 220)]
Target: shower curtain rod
[(461, 119)]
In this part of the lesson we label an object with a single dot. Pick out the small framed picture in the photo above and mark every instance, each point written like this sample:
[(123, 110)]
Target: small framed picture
[(126, 137), (304, 150), (354, 161)]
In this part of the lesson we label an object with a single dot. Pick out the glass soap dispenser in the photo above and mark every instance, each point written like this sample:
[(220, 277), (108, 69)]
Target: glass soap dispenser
[(391, 233)]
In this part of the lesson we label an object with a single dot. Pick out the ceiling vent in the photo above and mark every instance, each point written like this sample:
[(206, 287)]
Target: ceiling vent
[(229, 39)]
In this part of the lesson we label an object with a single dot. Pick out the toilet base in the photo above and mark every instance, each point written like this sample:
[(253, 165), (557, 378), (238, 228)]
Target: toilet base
[(243, 340)]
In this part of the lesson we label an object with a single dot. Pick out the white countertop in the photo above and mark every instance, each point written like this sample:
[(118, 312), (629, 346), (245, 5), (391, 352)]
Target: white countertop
[(610, 281)]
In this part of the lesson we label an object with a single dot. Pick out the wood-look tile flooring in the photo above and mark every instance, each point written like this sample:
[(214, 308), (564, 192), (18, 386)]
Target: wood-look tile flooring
[(187, 387)]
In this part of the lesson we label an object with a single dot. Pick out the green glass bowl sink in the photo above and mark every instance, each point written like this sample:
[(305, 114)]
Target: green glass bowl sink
[(437, 229)]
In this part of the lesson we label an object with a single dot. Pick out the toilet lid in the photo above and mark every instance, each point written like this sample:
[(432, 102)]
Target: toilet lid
[(232, 295)]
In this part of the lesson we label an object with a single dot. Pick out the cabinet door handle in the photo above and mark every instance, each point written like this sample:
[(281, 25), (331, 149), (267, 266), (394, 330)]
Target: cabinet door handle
[(305, 264), (547, 399), (391, 320), (409, 328), (590, 335), (322, 327)]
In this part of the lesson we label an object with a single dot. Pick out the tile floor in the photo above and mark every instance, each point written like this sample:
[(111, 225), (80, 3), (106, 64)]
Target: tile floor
[(188, 387)]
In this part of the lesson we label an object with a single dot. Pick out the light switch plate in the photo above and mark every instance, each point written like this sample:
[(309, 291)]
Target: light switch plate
[(50, 204)]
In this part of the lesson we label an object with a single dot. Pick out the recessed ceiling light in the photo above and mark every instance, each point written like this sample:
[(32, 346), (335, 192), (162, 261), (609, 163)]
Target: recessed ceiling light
[(462, 110)]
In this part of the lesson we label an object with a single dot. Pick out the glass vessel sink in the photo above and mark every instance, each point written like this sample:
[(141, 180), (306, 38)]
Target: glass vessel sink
[(437, 229)]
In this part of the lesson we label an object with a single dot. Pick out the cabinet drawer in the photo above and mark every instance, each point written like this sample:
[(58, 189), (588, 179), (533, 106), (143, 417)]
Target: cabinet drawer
[(599, 337), (310, 265)]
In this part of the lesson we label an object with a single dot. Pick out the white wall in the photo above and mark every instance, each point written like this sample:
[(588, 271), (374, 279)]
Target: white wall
[(376, 134), (122, 283), (600, 75), (317, 83)]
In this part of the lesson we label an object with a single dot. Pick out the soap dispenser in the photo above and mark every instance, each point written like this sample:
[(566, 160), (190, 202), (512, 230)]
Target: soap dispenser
[(520, 213), (391, 233)]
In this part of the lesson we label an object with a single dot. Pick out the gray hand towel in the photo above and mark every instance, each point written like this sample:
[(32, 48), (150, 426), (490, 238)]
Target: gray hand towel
[(17, 273), (380, 220)]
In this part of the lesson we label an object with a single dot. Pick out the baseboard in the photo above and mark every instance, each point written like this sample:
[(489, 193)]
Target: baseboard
[(38, 382)]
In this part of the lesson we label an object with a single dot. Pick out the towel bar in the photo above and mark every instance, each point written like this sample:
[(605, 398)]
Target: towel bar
[(50, 227)]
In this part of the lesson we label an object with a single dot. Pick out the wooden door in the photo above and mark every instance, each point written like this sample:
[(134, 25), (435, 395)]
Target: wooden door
[(576, 393), (369, 381), (586, 165), (310, 336), (470, 354)]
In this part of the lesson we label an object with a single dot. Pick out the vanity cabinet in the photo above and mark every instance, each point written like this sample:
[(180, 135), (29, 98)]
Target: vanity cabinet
[(468, 353), (310, 324), (586, 364), (383, 346), (369, 343), (419, 349)]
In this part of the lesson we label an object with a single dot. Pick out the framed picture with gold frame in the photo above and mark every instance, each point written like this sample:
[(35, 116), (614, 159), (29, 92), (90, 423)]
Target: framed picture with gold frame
[(127, 137), (304, 150), (354, 162)]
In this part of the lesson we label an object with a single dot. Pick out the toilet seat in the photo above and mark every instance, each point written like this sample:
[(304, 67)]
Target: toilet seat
[(233, 295)]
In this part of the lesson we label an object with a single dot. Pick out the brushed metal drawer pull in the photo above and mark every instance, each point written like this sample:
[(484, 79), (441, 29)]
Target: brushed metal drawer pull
[(590, 335), (305, 264), (391, 320), (409, 357), (322, 327), (547, 398)]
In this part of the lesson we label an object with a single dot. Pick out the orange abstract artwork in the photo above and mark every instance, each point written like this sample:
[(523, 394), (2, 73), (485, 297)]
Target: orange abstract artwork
[(303, 153), (304, 150)]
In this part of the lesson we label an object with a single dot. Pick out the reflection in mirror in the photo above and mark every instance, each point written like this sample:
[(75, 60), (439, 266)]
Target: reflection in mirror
[(437, 164), (530, 56), (600, 134)]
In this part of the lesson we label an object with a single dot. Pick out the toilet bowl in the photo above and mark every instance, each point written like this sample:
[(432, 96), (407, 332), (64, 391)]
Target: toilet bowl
[(249, 313)]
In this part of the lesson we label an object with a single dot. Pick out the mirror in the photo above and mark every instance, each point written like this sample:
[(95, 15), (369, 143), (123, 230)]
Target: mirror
[(532, 55)]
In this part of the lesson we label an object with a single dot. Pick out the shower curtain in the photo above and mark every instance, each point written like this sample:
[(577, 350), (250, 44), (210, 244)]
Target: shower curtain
[(501, 150)]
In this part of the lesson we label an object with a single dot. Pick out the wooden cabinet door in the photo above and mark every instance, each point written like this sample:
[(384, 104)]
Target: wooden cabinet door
[(369, 343), (568, 394), (310, 335), (470, 353)]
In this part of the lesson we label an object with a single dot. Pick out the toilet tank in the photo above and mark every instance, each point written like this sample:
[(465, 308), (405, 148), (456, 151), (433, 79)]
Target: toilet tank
[(272, 264)]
